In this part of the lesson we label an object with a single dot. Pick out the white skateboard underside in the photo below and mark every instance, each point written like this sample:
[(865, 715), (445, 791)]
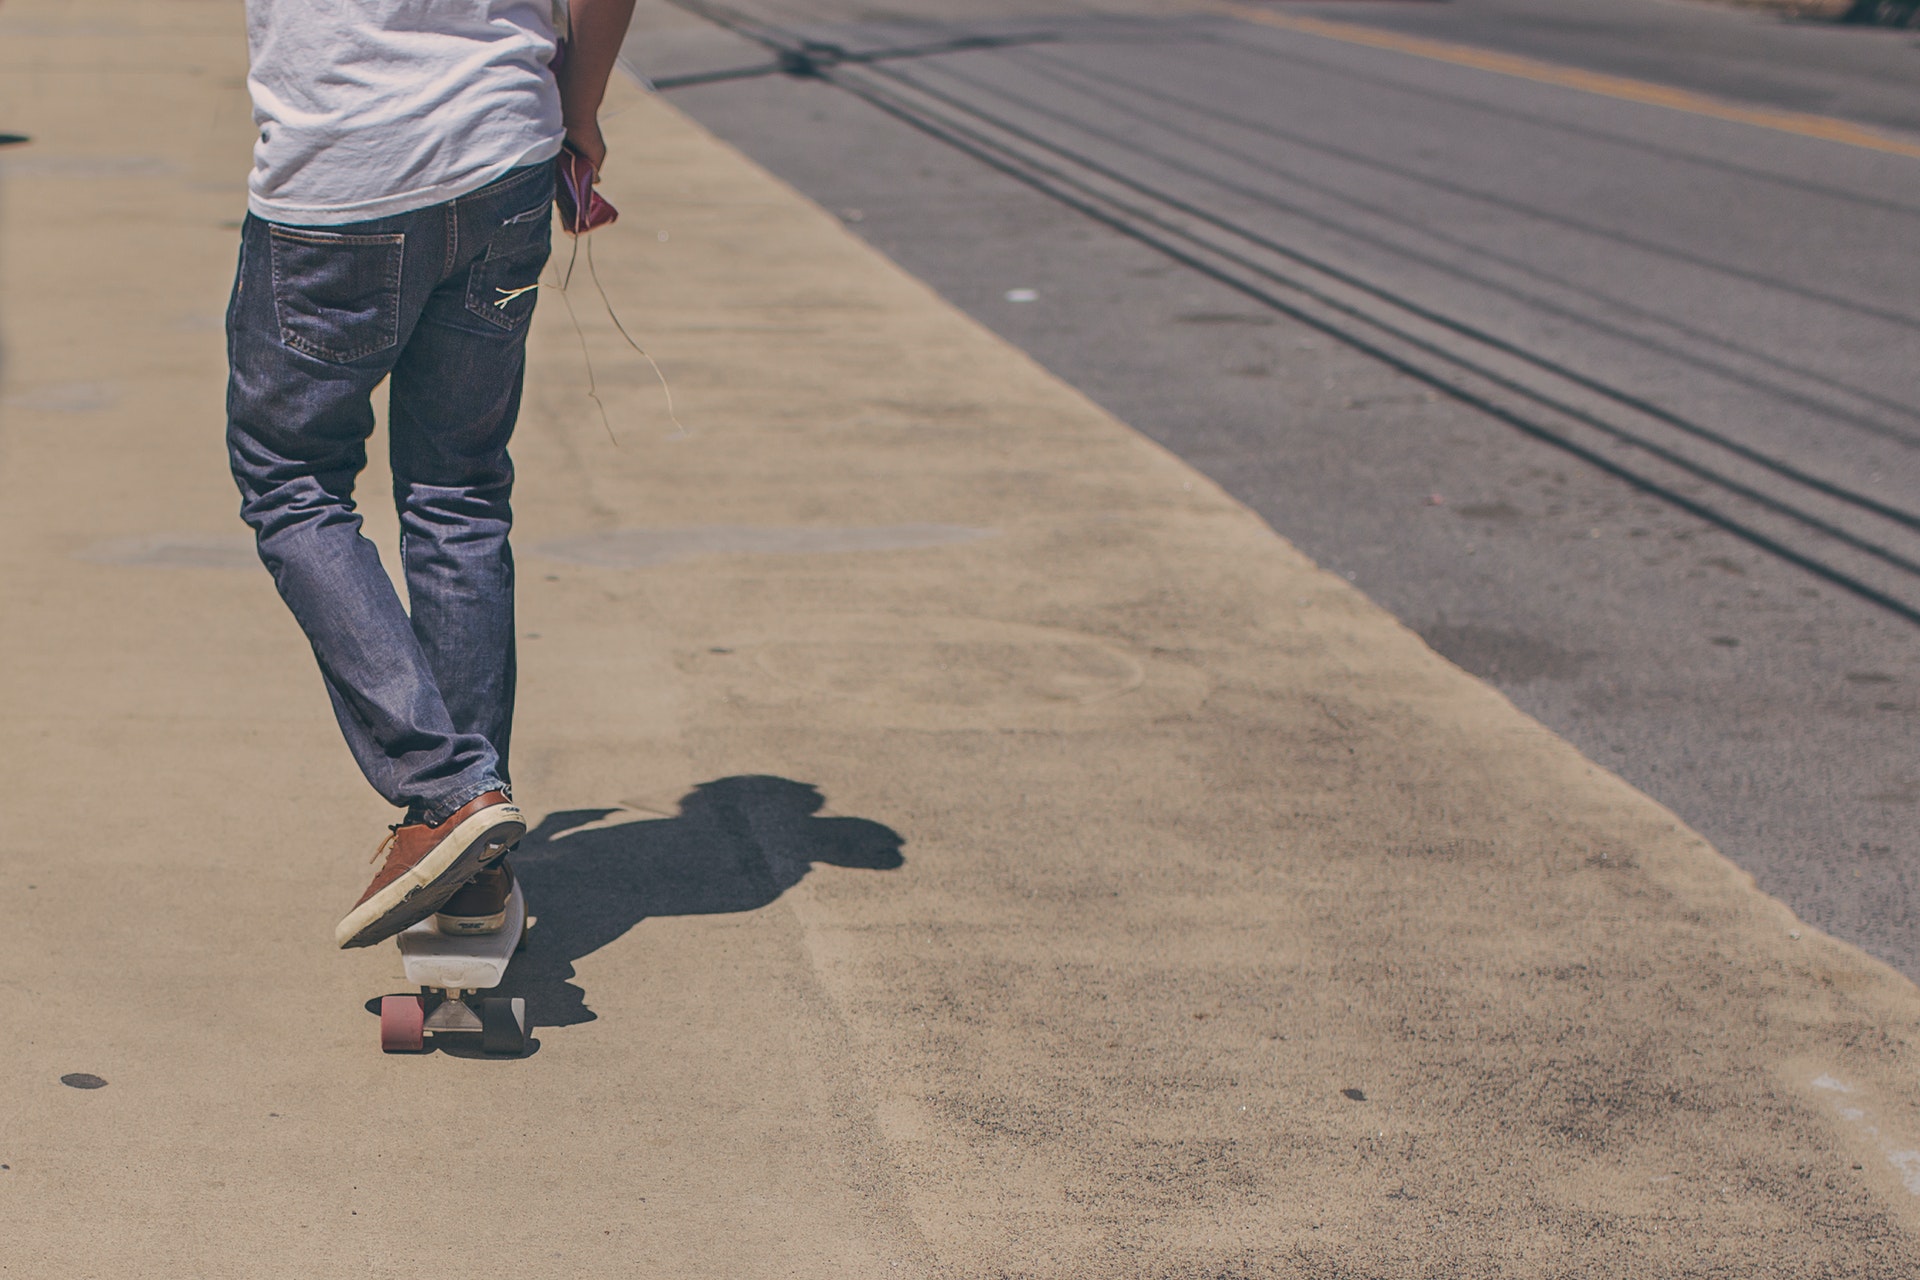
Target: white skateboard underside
[(471, 962)]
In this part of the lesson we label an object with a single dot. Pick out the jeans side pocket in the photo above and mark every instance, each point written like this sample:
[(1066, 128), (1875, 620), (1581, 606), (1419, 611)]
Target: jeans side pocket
[(337, 296), (500, 288)]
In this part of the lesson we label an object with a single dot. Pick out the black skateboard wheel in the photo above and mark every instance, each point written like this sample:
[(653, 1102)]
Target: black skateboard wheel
[(503, 1025)]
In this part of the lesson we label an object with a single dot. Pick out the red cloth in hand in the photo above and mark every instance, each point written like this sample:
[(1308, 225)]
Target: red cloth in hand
[(581, 207)]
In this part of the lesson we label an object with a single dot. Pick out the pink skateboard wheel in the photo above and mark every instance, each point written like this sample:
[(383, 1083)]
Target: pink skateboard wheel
[(402, 1024)]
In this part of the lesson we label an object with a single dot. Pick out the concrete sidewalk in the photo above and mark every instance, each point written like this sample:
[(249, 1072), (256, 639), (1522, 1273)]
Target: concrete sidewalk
[(970, 846)]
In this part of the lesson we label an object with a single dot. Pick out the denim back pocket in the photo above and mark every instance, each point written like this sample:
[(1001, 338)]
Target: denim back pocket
[(336, 296), (500, 286)]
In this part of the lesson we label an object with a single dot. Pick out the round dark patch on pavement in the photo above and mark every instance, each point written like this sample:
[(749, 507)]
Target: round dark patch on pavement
[(1502, 656)]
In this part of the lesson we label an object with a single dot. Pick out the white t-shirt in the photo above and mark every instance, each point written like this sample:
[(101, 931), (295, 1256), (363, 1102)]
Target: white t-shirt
[(368, 108)]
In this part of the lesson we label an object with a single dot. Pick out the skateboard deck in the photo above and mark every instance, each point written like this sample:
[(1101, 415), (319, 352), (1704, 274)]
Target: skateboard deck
[(462, 962)]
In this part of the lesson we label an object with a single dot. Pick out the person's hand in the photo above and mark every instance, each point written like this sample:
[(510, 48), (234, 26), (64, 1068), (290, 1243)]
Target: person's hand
[(587, 141)]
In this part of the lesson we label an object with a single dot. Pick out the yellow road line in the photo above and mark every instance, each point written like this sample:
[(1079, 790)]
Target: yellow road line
[(1825, 128)]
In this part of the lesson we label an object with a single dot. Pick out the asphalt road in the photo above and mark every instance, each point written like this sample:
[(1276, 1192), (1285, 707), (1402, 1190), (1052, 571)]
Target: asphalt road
[(1613, 402)]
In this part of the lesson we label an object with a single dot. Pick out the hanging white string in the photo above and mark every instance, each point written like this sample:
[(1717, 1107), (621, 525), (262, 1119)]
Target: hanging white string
[(681, 432), (680, 428)]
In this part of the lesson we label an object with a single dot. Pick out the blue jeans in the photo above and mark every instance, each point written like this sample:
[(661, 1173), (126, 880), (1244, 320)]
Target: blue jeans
[(431, 299)]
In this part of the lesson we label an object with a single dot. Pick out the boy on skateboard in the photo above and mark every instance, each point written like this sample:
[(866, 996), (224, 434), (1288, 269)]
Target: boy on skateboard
[(398, 219)]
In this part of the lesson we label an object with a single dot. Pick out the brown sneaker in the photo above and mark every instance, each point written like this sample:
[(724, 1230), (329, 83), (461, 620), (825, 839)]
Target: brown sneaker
[(426, 865), (480, 905)]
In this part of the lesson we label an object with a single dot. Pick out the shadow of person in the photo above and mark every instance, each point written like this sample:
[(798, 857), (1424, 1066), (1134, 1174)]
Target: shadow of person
[(737, 844)]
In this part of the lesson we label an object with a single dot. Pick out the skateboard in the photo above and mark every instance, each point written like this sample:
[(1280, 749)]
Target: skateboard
[(452, 971)]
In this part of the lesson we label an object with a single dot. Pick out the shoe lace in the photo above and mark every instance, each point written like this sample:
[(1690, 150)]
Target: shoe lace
[(393, 834)]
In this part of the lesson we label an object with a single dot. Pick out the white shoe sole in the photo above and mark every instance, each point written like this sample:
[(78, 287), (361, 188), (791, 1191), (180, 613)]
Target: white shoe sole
[(469, 926), (425, 887)]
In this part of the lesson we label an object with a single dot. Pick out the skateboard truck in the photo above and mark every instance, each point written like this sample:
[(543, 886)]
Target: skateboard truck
[(452, 971)]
